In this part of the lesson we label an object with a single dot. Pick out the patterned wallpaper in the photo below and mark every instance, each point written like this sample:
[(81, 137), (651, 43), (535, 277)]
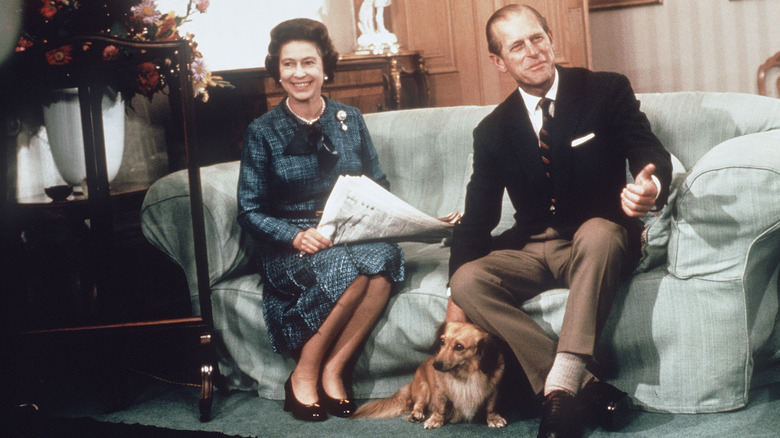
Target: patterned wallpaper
[(688, 45)]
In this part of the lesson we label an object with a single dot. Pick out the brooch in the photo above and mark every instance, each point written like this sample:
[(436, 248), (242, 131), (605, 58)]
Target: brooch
[(341, 115)]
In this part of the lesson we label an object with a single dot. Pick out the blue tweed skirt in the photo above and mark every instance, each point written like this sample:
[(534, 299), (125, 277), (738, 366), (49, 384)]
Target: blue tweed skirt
[(300, 292)]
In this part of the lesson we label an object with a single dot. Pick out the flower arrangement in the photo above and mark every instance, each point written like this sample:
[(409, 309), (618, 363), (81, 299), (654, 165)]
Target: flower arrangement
[(50, 26)]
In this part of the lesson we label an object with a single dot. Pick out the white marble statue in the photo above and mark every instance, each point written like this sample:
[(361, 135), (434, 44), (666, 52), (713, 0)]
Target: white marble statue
[(374, 36)]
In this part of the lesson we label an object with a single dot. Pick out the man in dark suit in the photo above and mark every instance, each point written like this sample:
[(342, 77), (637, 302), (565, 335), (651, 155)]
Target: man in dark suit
[(559, 146)]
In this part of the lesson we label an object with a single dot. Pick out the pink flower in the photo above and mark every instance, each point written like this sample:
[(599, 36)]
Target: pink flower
[(147, 12), (199, 72), (202, 5)]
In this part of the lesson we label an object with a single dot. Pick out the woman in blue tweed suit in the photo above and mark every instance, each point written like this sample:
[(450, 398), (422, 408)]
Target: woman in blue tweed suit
[(320, 300)]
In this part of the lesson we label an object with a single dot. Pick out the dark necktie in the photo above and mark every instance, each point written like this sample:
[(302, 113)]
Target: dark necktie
[(544, 148)]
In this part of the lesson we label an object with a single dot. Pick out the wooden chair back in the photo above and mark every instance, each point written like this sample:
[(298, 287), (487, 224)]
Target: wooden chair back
[(765, 74)]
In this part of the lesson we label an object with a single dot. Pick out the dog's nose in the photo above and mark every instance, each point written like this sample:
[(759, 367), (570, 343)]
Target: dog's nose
[(438, 365)]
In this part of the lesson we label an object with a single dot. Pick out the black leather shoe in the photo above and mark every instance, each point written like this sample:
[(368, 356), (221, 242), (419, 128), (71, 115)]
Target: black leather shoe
[(605, 404), (341, 408), (559, 416), (310, 412)]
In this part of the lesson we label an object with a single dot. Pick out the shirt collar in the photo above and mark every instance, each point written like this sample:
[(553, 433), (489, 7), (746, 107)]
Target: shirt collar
[(532, 102)]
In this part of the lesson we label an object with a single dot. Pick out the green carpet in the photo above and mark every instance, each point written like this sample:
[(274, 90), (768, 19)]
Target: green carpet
[(78, 392), (166, 410)]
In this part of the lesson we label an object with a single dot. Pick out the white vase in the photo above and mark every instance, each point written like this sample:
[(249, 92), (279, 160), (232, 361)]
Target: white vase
[(62, 119)]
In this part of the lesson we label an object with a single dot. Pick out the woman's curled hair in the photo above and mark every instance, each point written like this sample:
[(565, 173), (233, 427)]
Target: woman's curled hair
[(301, 29)]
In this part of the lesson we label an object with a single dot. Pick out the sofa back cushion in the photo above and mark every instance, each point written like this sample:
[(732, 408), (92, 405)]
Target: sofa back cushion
[(691, 123), (425, 153), (433, 144)]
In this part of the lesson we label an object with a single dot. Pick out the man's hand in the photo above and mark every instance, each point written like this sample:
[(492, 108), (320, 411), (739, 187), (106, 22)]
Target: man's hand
[(638, 198), (311, 241)]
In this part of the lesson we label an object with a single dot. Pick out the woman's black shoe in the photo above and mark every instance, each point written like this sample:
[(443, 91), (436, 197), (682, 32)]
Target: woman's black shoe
[(341, 408), (312, 412)]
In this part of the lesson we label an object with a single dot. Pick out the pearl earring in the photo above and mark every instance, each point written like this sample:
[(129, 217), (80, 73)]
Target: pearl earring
[(326, 77)]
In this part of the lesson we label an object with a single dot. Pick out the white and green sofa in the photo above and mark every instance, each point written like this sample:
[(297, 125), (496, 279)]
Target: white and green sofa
[(690, 332)]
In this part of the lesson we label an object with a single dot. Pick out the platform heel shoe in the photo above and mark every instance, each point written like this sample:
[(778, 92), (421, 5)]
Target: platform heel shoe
[(311, 412)]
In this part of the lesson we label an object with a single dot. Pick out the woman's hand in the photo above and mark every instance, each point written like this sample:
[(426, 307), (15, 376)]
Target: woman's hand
[(310, 241)]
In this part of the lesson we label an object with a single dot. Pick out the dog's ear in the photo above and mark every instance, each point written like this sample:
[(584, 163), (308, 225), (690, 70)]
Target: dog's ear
[(437, 340), (488, 350)]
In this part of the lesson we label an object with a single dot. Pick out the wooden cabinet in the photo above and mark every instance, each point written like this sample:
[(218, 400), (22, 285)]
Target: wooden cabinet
[(80, 266), (370, 83)]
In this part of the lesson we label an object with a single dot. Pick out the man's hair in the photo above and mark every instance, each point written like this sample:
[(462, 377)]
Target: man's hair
[(301, 29), (514, 9)]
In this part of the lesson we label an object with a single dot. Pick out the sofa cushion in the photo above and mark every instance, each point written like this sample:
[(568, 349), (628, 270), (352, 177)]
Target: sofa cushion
[(401, 339)]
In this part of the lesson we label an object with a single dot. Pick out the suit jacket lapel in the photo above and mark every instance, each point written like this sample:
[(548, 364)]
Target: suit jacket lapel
[(522, 140), (568, 108)]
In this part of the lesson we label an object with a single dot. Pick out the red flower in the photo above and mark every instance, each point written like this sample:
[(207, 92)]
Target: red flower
[(148, 78), (110, 53), (23, 44), (48, 9), (167, 29), (60, 56)]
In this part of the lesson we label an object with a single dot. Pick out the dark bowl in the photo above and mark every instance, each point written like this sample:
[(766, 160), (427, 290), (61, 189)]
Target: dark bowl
[(58, 193)]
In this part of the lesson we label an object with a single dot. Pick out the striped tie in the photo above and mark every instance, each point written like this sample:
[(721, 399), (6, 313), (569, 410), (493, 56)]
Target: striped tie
[(544, 148)]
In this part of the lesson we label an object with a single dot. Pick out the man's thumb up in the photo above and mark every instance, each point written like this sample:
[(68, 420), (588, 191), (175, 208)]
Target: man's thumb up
[(646, 175)]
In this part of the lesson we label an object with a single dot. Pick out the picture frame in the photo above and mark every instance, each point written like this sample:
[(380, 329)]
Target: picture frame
[(611, 4)]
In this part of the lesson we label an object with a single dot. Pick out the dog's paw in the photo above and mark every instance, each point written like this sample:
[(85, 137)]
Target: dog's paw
[(416, 417), (433, 423), (495, 421)]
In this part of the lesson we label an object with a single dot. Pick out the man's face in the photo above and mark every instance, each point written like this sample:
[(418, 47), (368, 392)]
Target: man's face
[(526, 52)]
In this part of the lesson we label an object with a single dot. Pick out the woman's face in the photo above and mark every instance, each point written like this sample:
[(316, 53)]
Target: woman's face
[(301, 70)]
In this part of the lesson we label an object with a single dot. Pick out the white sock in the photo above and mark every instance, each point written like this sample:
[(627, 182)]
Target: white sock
[(567, 373), (587, 378)]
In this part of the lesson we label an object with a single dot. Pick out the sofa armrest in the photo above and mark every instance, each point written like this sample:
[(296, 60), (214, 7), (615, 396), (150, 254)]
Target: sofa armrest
[(167, 224), (728, 200)]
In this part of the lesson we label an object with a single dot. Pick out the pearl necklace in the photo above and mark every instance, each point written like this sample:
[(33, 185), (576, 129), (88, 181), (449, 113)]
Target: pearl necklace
[(307, 121)]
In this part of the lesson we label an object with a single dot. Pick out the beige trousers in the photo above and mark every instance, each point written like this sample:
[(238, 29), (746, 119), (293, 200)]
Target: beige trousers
[(491, 289)]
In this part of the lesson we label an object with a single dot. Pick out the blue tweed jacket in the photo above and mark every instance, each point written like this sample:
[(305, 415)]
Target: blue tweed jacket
[(271, 182)]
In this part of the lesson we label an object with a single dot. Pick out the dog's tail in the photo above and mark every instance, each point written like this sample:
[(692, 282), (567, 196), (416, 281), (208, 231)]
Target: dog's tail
[(393, 406)]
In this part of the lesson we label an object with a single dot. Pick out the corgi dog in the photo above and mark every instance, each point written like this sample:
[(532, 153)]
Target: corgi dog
[(459, 383)]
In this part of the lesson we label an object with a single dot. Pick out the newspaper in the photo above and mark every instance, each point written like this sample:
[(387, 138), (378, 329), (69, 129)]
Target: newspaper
[(359, 209)]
